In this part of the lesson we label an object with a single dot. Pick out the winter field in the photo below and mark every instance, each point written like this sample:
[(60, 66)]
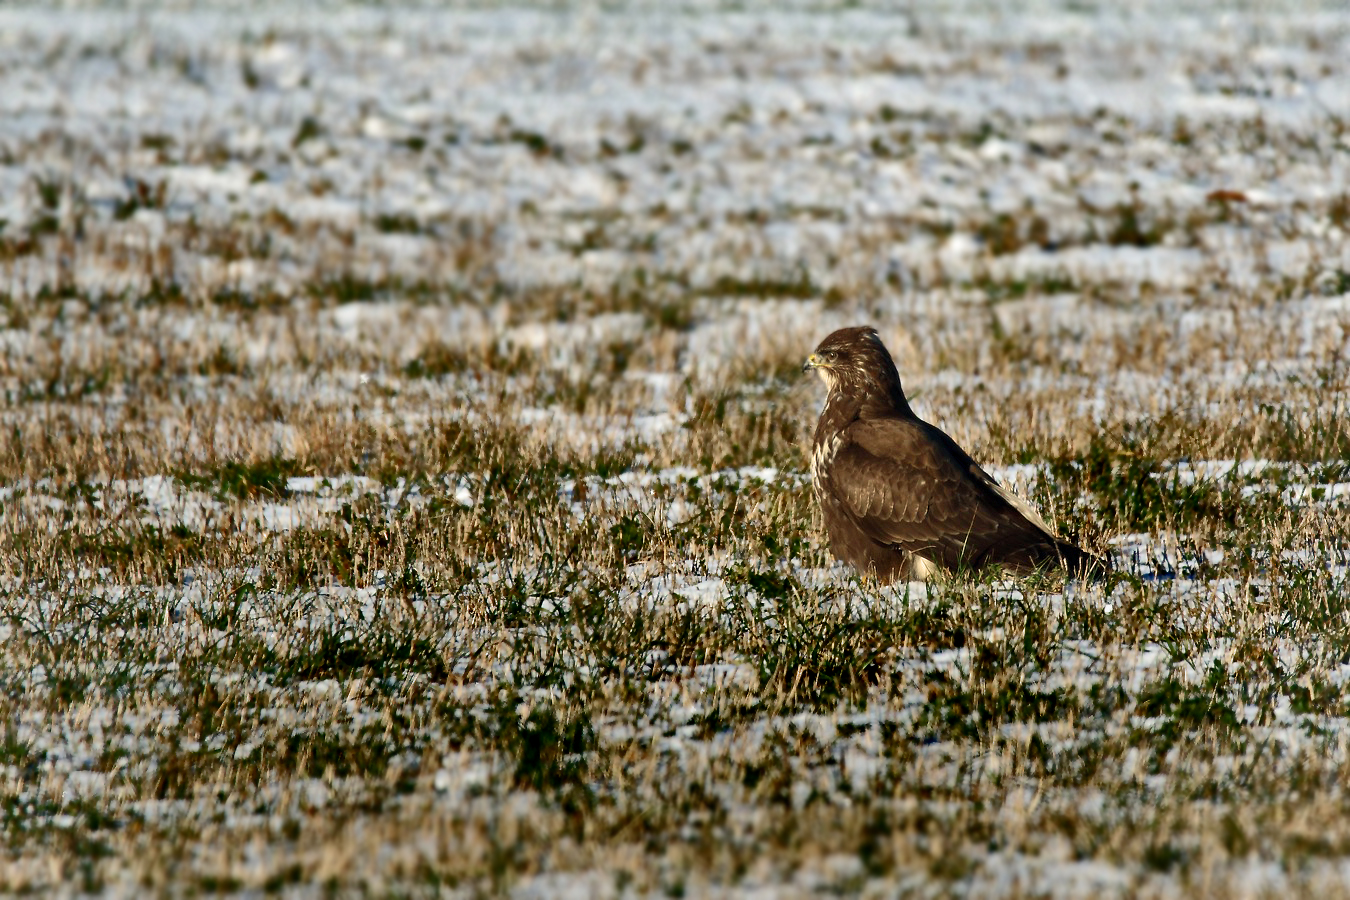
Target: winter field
[(402, 449)]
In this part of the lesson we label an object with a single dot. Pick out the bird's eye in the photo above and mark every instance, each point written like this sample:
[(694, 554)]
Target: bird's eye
[(830, 355)]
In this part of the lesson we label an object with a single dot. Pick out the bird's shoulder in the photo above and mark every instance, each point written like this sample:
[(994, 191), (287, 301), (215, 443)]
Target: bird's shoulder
[(904, 442)]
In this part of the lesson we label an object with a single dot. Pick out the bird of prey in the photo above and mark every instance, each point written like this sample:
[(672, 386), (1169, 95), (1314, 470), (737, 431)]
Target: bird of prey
[(899, 497)]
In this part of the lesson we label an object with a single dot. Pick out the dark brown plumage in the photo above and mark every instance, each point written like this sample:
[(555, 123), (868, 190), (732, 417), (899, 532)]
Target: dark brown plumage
[(900, 498)]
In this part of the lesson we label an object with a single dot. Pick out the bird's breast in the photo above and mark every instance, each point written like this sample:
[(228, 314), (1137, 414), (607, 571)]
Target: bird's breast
[(823, 454)]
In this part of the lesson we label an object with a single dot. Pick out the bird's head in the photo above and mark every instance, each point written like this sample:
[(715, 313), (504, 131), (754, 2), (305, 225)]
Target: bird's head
[(855, 361)]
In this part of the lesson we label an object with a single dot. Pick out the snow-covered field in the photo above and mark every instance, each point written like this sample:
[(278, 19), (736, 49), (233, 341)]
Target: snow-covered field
[(401, 462)]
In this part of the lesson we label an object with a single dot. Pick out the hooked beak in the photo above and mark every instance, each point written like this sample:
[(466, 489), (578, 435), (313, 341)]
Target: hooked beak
[(812, 362)]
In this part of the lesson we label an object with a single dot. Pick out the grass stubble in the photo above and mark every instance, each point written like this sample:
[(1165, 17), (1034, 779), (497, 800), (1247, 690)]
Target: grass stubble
[(441, 606)]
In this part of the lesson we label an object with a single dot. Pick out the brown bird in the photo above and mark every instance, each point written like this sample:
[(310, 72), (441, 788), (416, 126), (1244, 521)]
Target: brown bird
[(900, 498)]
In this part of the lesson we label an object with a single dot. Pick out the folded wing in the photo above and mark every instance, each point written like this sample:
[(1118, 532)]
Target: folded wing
[(906, 484)]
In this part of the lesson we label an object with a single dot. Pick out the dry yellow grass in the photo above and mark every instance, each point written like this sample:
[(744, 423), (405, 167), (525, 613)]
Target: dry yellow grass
[(392, 548)]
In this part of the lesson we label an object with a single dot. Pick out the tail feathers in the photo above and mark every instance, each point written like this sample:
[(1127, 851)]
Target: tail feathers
[(1050, 552), (1079, 562)]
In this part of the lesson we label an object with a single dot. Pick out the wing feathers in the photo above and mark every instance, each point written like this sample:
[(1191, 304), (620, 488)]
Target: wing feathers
[(906, 484)]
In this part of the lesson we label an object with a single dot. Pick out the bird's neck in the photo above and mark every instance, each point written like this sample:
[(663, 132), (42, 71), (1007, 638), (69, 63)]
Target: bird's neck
[(843, 405)]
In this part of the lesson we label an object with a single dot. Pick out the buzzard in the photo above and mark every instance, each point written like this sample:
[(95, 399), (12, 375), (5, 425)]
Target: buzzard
[(900, 498)]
